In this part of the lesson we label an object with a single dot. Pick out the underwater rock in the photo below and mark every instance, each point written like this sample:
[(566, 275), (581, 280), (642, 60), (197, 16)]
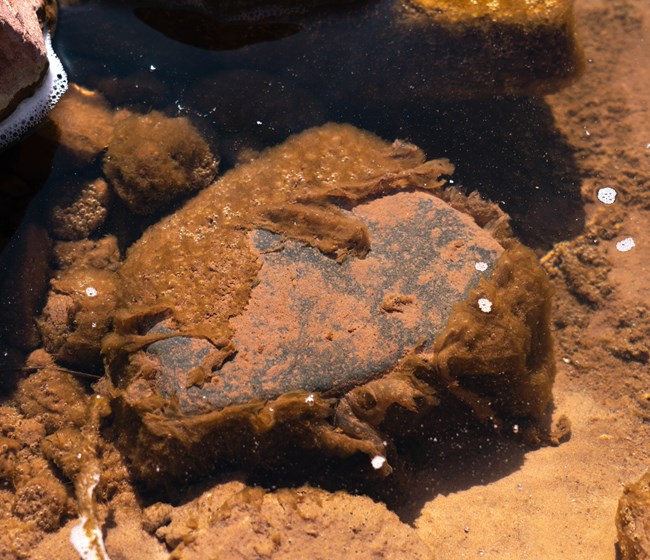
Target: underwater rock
[(54, 398), (81, 124), (314, 295), (81, 210), (153, 160), (77, 314), (103, 254), (291, 524), (633, 520)]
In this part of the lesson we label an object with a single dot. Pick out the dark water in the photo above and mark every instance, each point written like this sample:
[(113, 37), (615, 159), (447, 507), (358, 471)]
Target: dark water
[(251, 78)]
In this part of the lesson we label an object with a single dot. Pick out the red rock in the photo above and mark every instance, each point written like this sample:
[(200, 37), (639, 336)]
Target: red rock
[(23, 59)]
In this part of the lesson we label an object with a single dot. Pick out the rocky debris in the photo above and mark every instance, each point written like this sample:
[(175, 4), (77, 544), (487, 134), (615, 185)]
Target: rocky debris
[(34, 500), (81, 210), (152, 160), (78, 313), (287, 524), (633, 520), (103, 254), (23, 59), (82, 125), (257, 311)]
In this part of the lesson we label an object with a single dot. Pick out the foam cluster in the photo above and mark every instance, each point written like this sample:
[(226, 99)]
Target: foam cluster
[(32, 110)]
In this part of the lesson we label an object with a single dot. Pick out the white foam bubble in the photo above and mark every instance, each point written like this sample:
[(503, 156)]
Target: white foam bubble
[(378, 462), (485, 305), (481, 266), (32, 110), (607, 195), (625, 245)]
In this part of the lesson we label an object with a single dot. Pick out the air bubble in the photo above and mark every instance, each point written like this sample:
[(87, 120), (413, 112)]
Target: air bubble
[(625, 245), (485, 305), (607, 195)]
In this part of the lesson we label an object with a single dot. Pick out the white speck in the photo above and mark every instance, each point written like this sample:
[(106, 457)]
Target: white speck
[(466, 529), (258, 122), (451, 181), (152, 68), (625, 245), (515, 429), (587, 133), (93, 325), (377, 462), (520, 486), (607, 195), (310, 400), (481, 266), (566, 360), (485, 305), (647, 147), (91, 292), (78, 455)]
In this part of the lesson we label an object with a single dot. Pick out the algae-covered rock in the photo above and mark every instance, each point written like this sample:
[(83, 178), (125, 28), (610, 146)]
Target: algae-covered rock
[(81, 124), (314, 295), (77, 314), (81, 210), (633, 520), (291, 524), (152, 160)]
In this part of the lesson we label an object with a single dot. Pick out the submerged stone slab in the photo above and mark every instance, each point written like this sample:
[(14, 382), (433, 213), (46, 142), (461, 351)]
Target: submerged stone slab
[(315, 325), (311, 297)]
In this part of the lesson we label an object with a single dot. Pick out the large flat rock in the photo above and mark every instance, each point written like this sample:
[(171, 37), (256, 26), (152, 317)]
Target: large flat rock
[(313, 324)]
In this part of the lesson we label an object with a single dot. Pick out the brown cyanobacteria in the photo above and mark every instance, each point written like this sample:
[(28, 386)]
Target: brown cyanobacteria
[(633, 520), (152, 160), (254, 313)]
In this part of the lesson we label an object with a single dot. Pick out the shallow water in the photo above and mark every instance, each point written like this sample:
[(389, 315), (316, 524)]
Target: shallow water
[(544, 160)]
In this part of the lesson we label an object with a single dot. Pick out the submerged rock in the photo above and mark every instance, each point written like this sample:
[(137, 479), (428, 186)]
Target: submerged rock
[(313, 297), (81, 210), (290, 524), (82, 125), (152, 160), (633, 520)]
